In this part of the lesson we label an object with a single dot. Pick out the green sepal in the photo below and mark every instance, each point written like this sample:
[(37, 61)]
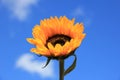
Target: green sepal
[(72, 67), (48, 61)]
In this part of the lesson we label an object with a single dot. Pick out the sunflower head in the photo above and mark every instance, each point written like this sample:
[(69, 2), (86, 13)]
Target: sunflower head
[(56, 37)]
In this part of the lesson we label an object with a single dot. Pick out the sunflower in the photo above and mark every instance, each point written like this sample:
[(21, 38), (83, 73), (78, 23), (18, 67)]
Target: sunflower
[(56, 37)]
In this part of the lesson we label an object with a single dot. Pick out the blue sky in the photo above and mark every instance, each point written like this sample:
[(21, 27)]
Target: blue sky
[(98, 56)]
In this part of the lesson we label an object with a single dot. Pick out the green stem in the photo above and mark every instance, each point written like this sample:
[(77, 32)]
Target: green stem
[(61, 68)]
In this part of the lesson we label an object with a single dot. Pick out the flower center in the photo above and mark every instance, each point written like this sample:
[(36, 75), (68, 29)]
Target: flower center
[(58, 39)]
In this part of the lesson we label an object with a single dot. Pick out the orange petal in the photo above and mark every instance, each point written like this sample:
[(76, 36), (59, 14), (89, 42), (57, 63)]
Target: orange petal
[(79, 27), (39, 34)]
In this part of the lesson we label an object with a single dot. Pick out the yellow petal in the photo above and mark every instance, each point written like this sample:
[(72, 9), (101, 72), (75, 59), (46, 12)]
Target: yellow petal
[(51, 49), (40, 51), (66, 48), (58, 50), (31, 40)]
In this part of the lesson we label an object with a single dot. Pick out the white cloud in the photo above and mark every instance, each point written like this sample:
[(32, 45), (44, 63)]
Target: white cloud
[(28, 63), (19, 8)]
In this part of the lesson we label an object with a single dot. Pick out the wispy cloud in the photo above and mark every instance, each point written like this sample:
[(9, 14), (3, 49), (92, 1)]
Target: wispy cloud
[(80, 13), (19, 8), (28, 63)]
